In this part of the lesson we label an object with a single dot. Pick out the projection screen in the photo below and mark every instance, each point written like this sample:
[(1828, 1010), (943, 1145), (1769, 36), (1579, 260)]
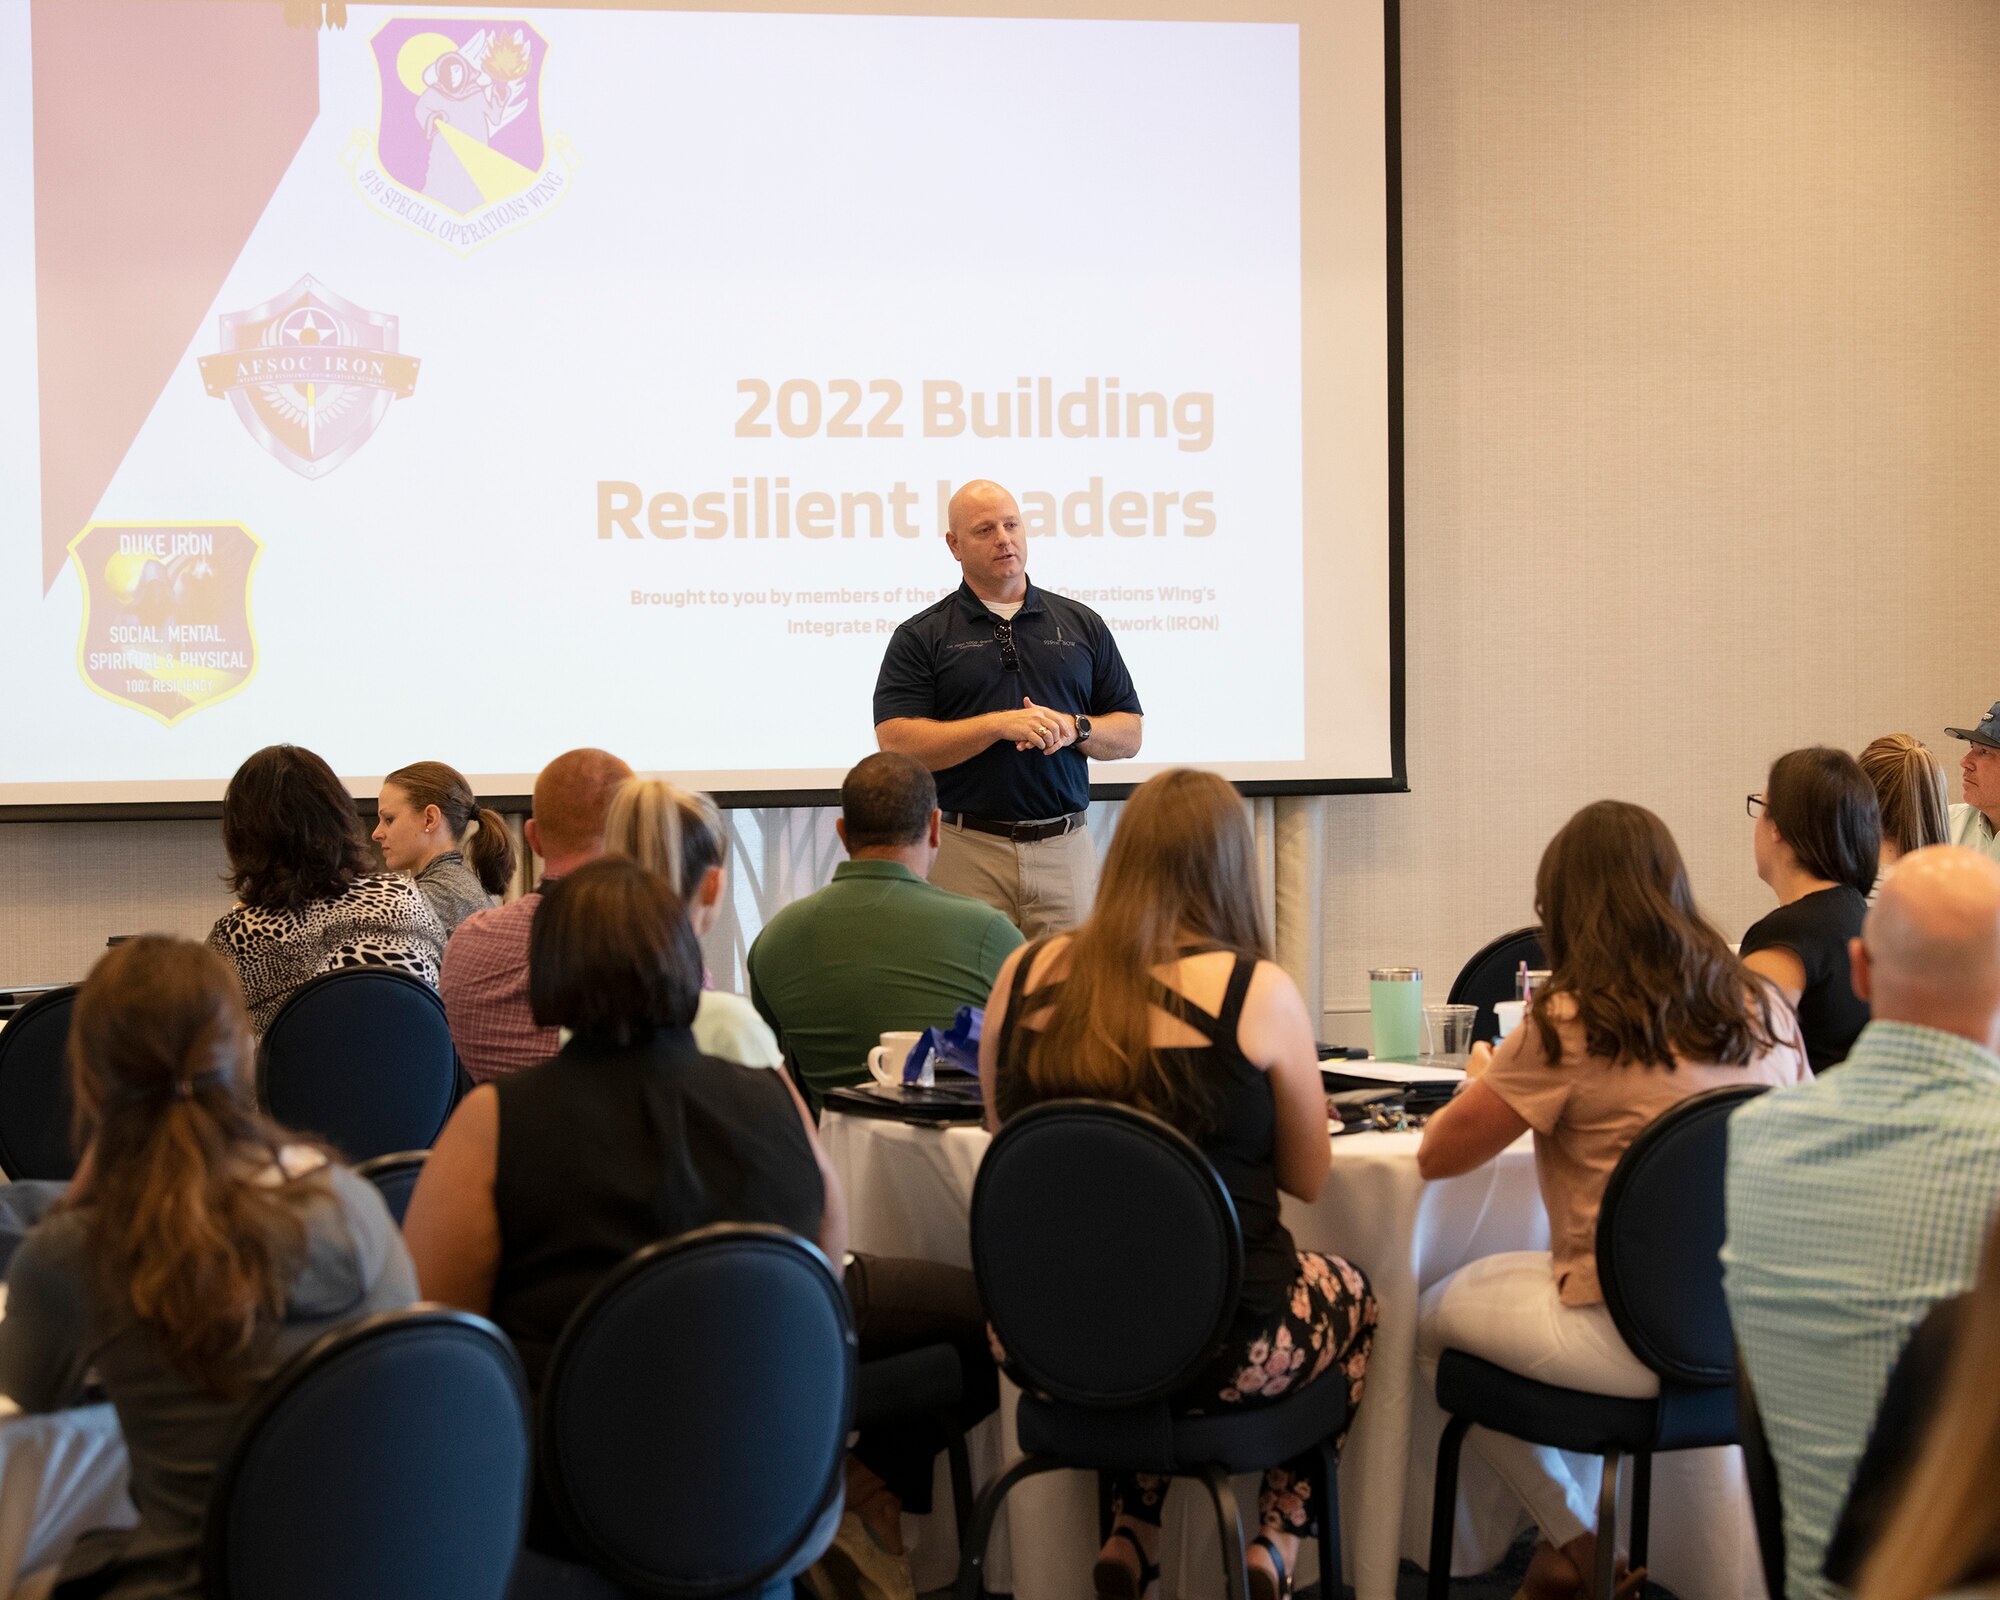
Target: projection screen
[(471, 383)]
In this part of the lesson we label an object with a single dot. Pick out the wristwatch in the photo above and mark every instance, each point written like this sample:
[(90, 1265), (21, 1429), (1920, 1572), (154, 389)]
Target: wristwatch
[(1082, 727)]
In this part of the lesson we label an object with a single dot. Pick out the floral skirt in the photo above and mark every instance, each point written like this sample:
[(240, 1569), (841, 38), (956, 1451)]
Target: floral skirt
[(1327, 1325)]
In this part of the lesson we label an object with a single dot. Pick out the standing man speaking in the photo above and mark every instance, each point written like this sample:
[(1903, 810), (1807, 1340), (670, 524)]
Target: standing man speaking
[(1005, 693)]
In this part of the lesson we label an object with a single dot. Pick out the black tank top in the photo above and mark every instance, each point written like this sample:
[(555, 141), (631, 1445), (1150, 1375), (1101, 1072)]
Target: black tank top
[(607, 1148), (1240, 1142)]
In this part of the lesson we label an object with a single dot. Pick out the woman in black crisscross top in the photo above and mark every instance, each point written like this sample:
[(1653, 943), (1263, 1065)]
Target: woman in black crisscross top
[(1166, 999)]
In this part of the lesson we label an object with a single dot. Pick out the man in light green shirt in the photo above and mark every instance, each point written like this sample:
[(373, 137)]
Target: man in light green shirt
[(879, 949), (1976, 823)]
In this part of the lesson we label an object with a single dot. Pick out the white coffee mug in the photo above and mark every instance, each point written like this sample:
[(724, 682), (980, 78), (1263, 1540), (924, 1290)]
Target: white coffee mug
[(886, 1060)]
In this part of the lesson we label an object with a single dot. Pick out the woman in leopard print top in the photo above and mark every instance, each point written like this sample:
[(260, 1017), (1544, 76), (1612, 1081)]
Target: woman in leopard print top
[(306, 903)]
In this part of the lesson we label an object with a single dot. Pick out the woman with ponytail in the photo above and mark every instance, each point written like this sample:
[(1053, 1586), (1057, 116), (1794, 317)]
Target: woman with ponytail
[(1167, 999), (200, 1247), (1910, 790), (431, 827)]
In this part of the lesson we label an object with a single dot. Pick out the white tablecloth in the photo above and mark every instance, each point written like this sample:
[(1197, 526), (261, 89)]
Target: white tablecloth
[(909, 1192), (61, 1474)]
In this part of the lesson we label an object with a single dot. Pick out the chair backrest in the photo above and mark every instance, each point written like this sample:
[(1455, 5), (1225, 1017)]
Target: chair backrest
[(362, 1058), (1489, 976), (35, 1105), (1659, 1241), (391, 1458), (1767, 1507), (396, 1176), (693, 1421), (1107, 1250)]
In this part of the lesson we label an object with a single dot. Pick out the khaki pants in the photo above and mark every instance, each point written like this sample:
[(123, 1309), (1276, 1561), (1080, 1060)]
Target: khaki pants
[(1045, 887)]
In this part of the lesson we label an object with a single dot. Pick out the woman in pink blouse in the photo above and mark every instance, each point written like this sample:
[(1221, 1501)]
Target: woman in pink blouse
[(1645, 1006)]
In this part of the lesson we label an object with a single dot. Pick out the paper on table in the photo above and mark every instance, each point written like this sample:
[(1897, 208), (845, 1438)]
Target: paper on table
[(1396, 1071)]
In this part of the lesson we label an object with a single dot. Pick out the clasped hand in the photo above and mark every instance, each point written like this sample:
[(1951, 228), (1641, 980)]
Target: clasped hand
[(1036, 727)]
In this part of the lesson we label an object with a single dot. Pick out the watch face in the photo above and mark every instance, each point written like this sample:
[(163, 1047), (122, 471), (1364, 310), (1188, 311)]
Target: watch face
[(1082, 729)]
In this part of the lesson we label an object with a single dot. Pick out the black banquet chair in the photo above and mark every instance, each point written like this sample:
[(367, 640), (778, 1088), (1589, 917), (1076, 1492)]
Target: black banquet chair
[(1659, 1243), (35, 1104), (669, 1478), (395, 1176), (1110, 1259), (1489, 976), (391, 1459), (362, 1058)]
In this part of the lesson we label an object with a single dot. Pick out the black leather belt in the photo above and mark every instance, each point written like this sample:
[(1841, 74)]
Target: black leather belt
[(1019, 832)]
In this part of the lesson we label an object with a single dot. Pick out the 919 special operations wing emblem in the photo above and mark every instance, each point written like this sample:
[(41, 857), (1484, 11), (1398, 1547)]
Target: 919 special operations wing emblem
[(309, 374), (166, 613), (458, 151)]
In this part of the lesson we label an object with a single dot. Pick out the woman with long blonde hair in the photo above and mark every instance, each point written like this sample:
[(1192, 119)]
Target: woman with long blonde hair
[(678, 833), (199, 1248), (1167, 999), (1910, 789), (1944, 1534)]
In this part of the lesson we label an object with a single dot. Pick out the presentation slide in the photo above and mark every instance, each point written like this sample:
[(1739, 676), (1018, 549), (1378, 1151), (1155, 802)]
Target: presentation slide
[(472, 384)]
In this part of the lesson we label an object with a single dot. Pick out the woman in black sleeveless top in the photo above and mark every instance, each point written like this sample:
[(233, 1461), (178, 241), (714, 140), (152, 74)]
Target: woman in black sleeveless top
[(1164, 1000), (546, 1180)]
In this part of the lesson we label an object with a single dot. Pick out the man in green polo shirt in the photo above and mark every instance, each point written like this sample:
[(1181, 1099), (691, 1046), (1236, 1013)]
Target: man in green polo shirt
[(878, 949)]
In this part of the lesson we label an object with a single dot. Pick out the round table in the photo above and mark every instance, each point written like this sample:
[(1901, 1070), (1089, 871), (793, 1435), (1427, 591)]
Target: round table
[(909, 1193)]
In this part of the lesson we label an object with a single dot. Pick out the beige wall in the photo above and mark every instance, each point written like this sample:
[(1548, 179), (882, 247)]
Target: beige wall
[(1703, 351)]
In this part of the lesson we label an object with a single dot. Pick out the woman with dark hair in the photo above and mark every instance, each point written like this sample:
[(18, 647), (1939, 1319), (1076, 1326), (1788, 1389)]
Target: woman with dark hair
[(546, 1179), (200, 1247), (431, 827), (1817, 842), (306, 902), (1167, 999), (1643, 1007)]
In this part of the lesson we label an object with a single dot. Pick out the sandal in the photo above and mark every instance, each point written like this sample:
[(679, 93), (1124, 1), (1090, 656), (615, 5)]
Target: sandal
[(1113, 1579), (1631, 1586), (1263, 1588)]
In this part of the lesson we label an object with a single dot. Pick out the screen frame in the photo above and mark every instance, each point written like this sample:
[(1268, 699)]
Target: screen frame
[(1397, 781)]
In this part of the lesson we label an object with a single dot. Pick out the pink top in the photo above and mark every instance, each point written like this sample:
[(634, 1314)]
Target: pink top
[(1586, 1110), (484, 986)]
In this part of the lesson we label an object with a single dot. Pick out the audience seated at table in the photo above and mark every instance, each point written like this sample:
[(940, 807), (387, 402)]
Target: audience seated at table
[(429, 825), (1817, 840), (1165, 998), (485, 978), (199, 1248), (1857, 1202), (1644, 1006), (678, 833), (1909, 793), (306, 902), (1943, 1528), (546, 1179), (879, 949)]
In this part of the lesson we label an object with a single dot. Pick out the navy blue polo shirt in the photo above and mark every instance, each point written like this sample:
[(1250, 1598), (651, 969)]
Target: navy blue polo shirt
[(944, 664)]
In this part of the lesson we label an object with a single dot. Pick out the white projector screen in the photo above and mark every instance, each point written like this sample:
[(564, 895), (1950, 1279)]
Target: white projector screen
[(471, 384)]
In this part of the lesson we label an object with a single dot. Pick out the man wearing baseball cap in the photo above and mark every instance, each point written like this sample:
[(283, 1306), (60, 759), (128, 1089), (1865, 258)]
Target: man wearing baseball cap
[(1976, 823)]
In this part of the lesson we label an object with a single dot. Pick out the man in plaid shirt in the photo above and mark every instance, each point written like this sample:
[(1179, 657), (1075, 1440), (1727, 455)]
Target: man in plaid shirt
[(484, 979), (1858, 1201)]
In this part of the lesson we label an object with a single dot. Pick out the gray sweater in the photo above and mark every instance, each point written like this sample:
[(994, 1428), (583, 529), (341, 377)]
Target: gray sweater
[(56, 1331), (453, 890)]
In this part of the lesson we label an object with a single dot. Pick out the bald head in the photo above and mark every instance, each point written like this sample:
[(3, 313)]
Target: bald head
[(980, 497), (573, 795), (983, 529), (1930, 949)]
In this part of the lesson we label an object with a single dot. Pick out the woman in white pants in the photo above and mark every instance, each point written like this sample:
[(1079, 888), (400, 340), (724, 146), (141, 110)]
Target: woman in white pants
[(1644, 1006)]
